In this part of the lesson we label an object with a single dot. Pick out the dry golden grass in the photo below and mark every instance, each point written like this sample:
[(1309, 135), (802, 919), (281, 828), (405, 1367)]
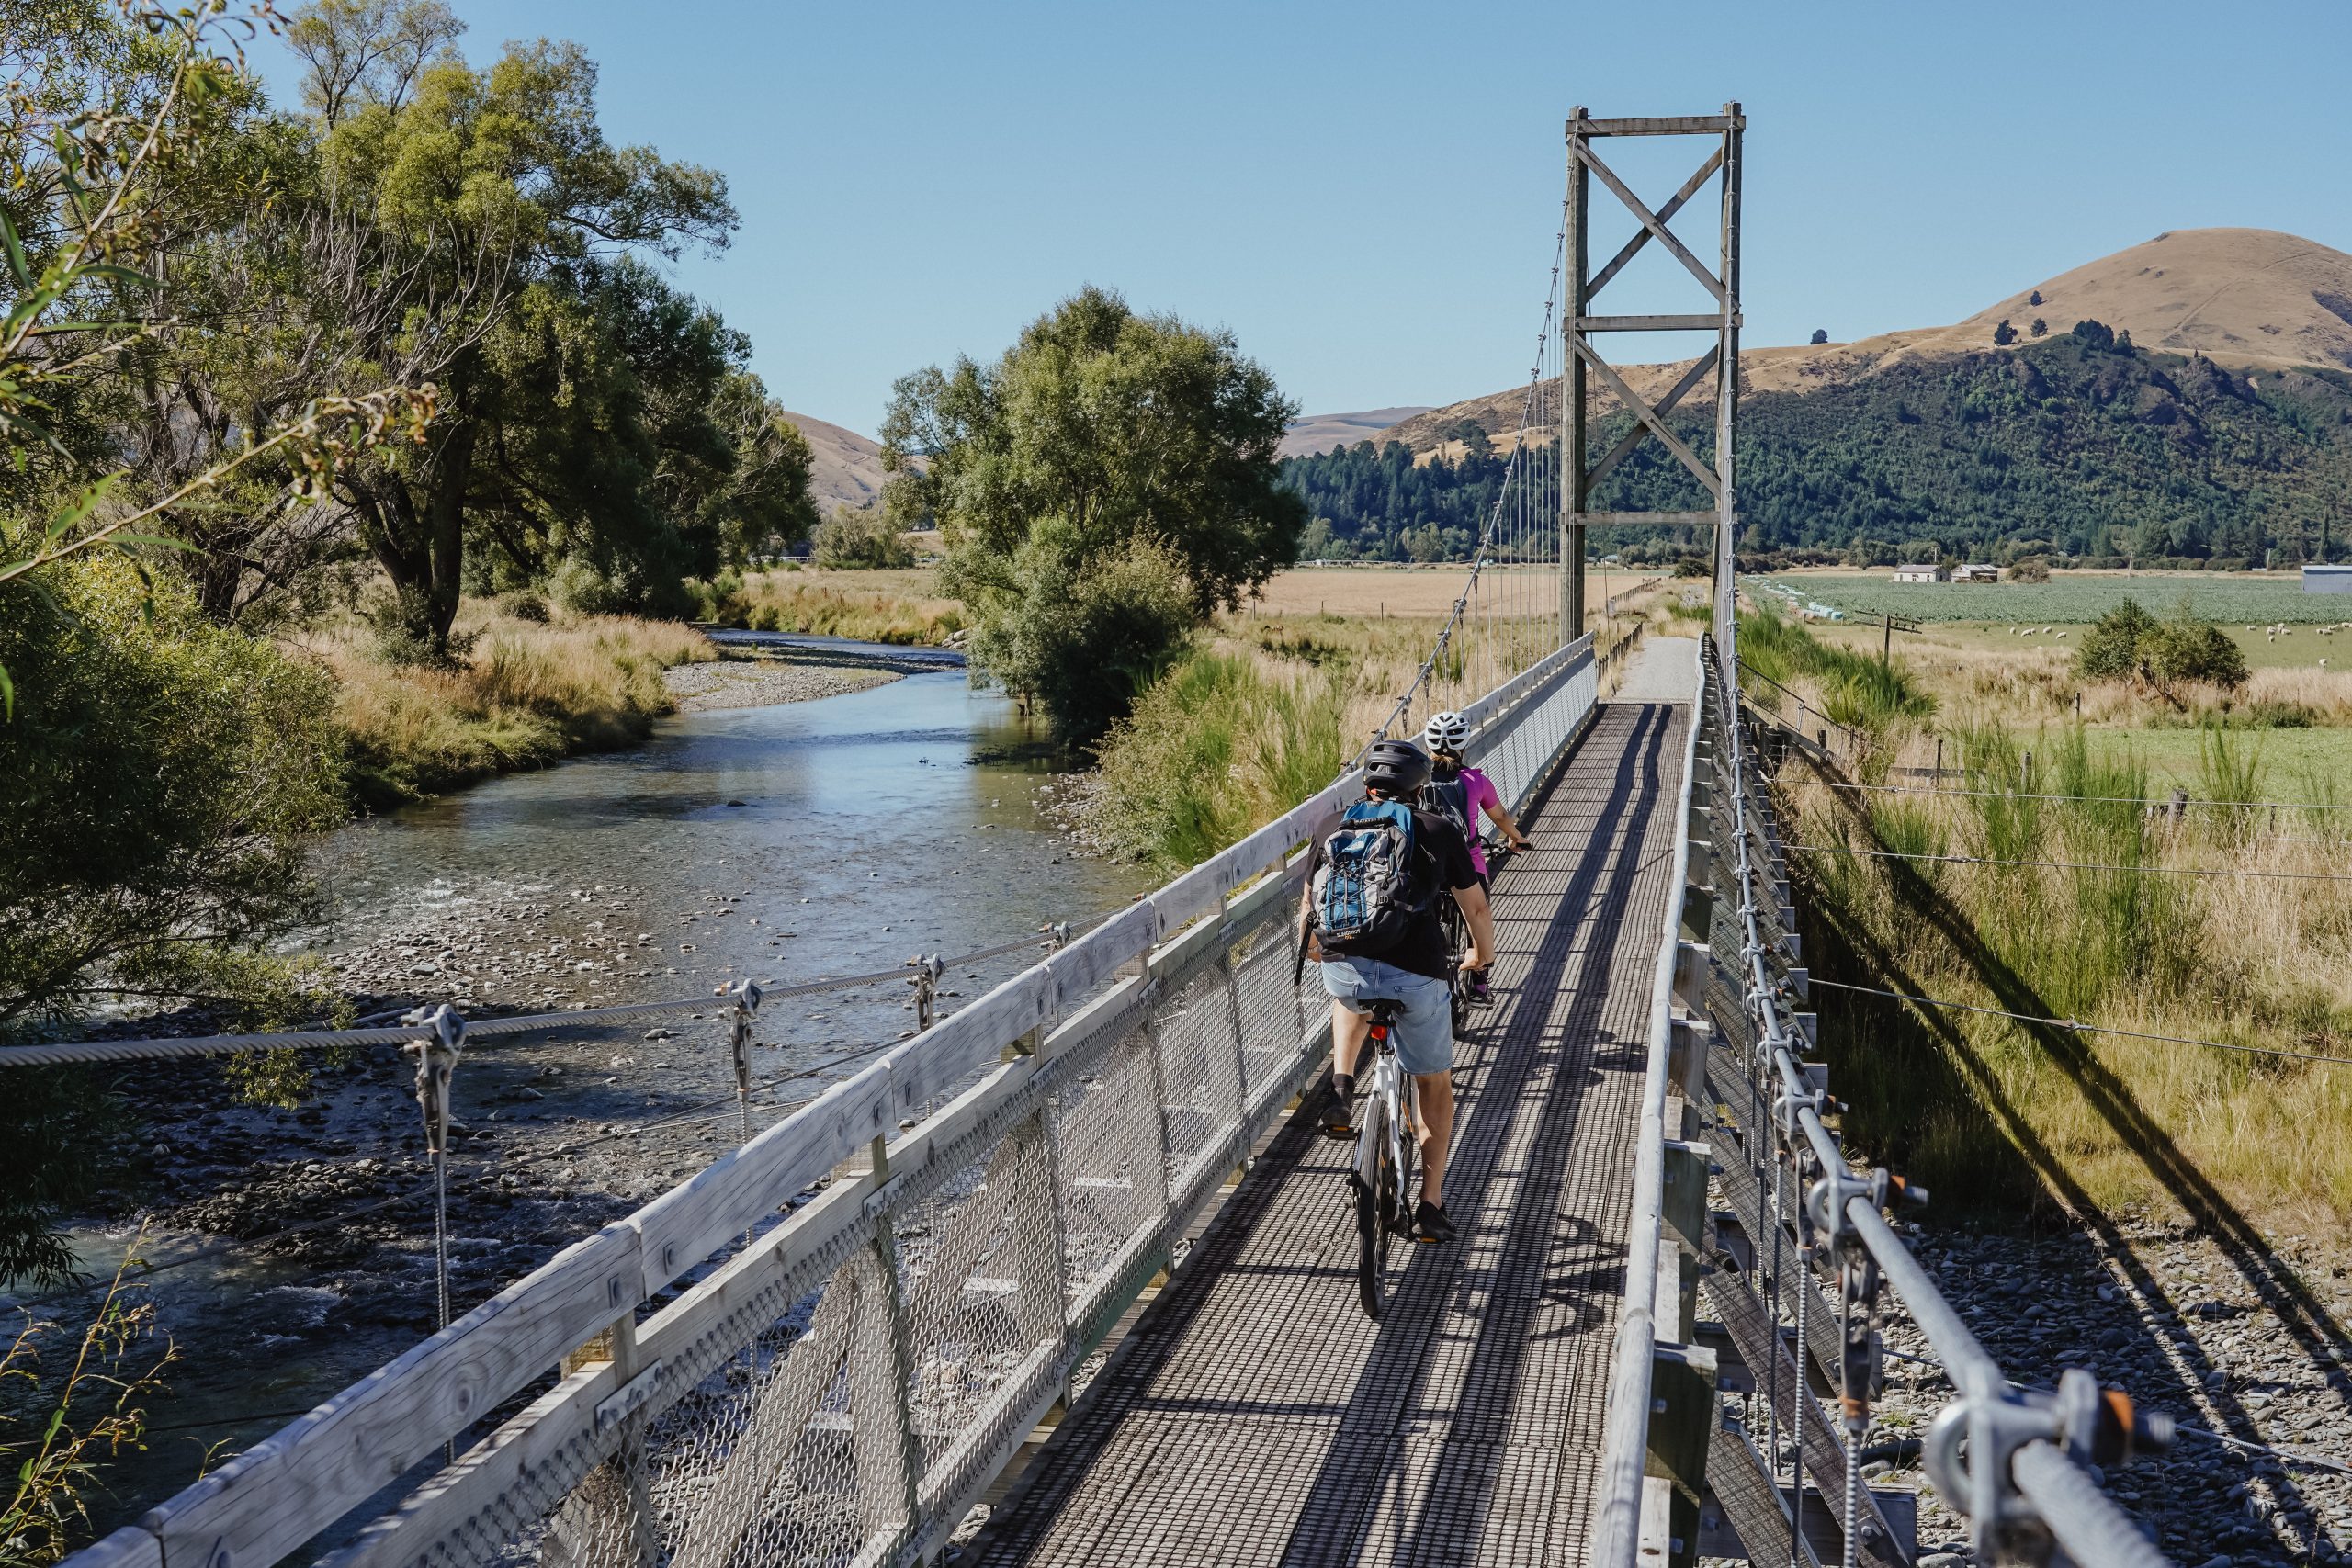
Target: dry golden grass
[(1365, 592), (899, 605), (527, 694), (2005, 1111)]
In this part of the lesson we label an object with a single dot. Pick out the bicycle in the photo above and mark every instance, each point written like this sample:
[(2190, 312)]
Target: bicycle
[(1386, 1149)]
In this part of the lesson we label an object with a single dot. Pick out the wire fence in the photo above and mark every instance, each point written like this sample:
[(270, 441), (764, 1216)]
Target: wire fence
[(2017, 1463)]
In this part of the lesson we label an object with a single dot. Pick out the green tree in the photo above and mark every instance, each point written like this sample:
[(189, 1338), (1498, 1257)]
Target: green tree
[(1148, 445), (1085, 637), (2039, 328), (853, 538), (1820, 336), (2110, 650), (468, 227), (156, 787), (2005, 334)]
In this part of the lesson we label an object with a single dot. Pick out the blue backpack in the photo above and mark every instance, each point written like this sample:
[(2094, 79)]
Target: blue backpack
[(1368, 890)]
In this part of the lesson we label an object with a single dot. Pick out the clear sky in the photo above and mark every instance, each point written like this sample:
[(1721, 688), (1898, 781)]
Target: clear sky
[(1366, 193)]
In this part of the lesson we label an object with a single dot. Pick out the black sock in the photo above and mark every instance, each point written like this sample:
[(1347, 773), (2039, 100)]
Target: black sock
[(1343, 1085)]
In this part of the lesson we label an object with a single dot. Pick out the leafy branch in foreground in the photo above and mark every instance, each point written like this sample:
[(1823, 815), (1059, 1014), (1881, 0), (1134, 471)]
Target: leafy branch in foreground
[(84, 167), (54, 1460)]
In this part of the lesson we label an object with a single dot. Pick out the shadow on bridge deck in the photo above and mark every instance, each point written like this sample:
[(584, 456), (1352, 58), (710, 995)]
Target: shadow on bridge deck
[(1254, 1416)]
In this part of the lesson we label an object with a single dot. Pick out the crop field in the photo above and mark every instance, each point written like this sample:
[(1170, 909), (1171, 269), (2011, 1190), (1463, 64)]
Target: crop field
[(2074, 599)]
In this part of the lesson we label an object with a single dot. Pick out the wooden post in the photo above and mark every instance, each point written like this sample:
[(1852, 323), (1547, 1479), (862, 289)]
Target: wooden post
[(1572, 389), (1727, 366), (1682, 1421)]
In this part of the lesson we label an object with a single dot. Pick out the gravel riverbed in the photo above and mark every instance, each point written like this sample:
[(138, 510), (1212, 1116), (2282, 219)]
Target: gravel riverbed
[(2227, 1334)]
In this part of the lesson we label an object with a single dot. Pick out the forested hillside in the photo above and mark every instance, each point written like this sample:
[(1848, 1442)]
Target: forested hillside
[(2081, 446)]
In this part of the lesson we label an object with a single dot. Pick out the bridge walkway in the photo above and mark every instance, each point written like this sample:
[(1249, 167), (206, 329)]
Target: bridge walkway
[(1254, 1416)]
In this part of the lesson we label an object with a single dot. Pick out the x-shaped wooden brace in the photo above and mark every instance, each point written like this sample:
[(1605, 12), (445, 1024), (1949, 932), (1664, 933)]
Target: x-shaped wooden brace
[(1650, 419)]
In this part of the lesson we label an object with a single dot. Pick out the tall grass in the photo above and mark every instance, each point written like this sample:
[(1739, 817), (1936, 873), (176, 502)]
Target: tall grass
[(528, 694), (2007, 1115), (1851, 688), (870, 606), (1218, 746)]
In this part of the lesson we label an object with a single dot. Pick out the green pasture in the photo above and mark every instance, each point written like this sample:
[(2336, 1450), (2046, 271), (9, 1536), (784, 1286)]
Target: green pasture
[(2072, 599)]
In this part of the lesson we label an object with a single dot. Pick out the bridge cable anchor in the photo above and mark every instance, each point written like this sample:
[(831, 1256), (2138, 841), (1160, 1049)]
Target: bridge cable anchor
[(437, 1062)]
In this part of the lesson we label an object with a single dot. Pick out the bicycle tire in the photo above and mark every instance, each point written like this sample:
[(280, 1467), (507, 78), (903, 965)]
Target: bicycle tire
[(1373, 1206)]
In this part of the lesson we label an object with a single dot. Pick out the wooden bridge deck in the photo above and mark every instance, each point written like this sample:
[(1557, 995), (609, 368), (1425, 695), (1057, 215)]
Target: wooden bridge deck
[(1254, 1416)]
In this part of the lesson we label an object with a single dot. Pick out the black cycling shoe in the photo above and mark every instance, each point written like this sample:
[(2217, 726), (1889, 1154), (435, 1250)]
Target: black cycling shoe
[(1430, 1225), (1339, 1115)]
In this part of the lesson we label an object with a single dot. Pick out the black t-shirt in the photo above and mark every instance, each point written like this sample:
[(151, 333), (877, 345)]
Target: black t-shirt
[(1445, 857)]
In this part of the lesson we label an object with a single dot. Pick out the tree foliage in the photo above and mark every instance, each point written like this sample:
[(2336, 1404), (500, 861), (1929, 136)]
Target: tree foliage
[(2079, 441), (1108, 467), (156, 787), (2127, 643), (853, 538)]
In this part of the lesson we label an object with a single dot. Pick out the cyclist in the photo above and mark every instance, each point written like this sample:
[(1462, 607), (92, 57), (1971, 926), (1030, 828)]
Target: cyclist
[(1412, 973), (1466, 792)]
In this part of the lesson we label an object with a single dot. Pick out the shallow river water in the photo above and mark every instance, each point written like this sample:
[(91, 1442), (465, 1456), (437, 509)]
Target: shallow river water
[(787, 843)]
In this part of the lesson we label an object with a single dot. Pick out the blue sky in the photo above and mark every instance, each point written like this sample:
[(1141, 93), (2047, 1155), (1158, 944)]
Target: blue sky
[(1366, 193)]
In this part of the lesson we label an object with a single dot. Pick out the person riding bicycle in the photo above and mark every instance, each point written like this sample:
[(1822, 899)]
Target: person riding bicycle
[(1466, 792), (1411, 972)]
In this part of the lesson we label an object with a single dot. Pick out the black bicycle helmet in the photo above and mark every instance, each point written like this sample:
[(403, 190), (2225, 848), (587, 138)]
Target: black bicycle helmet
[(1395, 768)]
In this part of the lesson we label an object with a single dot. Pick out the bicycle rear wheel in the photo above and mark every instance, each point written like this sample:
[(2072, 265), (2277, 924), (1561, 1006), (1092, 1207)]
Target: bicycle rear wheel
[(1378, 1188)]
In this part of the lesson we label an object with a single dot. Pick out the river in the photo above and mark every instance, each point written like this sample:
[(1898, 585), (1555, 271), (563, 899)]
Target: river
[(838, 836)]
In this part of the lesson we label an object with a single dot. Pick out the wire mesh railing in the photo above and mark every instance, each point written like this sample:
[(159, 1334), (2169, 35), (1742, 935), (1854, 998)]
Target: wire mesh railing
[(1803, 1292), (825, 1345)]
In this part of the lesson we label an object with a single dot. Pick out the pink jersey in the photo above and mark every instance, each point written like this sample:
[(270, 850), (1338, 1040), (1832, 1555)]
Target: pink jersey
[(1482, 796)]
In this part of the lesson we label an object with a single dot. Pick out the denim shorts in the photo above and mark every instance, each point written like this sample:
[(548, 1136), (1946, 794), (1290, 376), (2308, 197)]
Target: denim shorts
[(1423, 1034)]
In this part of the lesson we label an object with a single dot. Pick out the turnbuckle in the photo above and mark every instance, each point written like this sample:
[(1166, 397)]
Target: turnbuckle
[(2090, 1424)]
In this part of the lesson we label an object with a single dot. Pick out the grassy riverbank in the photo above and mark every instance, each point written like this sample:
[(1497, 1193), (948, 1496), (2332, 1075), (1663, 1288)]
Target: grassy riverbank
[(1271, 707), (528, 693), (2201, 925), (893, 605)]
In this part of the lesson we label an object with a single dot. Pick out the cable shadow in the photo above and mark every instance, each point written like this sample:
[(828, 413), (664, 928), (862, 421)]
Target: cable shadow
[(2313, 1328), (1543, 1282), (1387, 1426)]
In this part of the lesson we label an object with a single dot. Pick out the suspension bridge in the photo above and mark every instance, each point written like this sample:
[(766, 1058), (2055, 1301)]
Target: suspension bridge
[(1068, 1277)]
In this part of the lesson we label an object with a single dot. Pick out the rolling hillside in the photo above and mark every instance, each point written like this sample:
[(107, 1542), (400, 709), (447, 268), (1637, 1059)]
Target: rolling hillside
[(847, 466), (1320, 432), (2204, 415), (2246, 298)]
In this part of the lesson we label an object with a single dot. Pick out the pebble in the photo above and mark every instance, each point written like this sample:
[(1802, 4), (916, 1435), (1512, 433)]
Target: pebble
[(763, 683)]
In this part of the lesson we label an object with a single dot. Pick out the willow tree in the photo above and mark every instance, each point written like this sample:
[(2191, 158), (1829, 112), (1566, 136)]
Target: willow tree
[(470, 230), (1105, 486)]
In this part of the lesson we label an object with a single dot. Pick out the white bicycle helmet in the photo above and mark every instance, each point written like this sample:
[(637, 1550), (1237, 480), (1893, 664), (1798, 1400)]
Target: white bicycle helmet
[(1448, 731)]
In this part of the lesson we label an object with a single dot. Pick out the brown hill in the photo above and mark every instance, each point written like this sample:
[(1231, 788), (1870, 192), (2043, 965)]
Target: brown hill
[(2249, 298), (1315, 433), (845, 468)]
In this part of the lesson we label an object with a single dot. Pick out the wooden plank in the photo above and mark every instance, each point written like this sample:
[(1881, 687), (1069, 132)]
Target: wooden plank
[(1674, 204), (687, 1223), (961, 1043), (1648, 416), (1664, 519), (1191, 895), (129, 1547), (278, 1495), (1707, 323), (670, 1335), (1700, 369), (1669, 125), (535, 1438), (1079, 971), (1650, 220)]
